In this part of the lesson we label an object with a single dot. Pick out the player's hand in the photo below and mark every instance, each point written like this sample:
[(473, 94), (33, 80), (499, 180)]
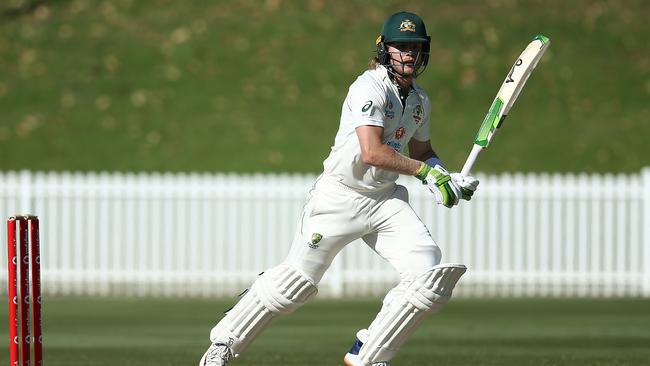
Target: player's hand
[(445, 191), (467, 184)]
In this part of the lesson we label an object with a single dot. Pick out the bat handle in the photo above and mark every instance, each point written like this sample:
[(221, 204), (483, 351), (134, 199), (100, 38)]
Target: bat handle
[(471, 159)]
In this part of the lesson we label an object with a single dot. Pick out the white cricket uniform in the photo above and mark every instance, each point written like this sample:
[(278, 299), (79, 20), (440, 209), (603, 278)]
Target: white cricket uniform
[(353, 200)]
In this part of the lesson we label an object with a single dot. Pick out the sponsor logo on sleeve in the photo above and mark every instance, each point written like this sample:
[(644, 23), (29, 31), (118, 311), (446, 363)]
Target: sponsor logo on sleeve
[(367, 110)]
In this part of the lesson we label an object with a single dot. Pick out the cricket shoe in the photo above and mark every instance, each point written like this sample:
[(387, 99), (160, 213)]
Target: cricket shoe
[(217, 355), (352, 357)]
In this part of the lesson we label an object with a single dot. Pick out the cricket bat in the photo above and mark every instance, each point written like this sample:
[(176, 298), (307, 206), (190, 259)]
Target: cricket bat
[(506, 97)]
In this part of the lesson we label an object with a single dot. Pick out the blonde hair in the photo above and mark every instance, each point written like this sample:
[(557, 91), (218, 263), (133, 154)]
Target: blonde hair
[(373, 63)]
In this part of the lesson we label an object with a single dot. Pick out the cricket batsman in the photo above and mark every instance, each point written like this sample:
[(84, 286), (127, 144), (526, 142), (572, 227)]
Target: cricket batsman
[(356, 197)]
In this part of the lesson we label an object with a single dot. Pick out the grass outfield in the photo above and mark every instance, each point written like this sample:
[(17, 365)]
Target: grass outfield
[(166, 332), (248, 86)]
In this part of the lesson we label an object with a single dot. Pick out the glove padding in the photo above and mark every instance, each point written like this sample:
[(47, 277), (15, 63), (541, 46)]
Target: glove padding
[(467, 184), (445, 190)]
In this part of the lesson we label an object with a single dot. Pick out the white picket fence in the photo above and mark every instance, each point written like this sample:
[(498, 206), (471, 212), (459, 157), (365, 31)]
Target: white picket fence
[(210, 235)]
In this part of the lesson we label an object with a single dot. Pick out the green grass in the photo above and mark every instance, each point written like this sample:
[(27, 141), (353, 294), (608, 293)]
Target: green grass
[(162, 332), (249, 86)]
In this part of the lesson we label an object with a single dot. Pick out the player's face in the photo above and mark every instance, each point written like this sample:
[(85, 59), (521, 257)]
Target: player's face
[(405, 57)]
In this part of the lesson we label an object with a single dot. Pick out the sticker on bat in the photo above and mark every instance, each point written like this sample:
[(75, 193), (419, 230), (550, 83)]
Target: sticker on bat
[(512, 71)]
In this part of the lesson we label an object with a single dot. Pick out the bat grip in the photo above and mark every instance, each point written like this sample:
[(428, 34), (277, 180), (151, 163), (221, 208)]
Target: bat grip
[(471, 159)]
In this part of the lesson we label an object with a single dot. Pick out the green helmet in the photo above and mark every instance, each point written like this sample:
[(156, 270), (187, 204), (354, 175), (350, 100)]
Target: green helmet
[(403, 27)]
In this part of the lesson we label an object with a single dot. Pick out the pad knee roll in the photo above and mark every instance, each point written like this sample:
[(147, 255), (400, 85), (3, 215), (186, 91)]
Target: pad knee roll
[(278, 291), (424, 294)]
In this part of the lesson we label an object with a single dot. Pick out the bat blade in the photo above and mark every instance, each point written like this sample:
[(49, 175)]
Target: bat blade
[(506, 96)]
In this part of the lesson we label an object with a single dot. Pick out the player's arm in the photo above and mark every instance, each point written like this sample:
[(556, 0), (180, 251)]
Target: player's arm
[(376, 153), (422, 150)]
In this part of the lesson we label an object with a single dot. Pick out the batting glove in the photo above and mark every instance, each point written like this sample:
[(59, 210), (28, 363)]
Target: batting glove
[(467, 184), (445, 191)]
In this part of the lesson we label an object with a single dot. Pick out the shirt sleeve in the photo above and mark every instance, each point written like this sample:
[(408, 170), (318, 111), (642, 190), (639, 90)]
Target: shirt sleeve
[(366, 103), (423, 133)]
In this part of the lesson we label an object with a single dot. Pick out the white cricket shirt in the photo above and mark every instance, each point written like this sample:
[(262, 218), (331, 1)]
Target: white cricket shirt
[(373, 100)]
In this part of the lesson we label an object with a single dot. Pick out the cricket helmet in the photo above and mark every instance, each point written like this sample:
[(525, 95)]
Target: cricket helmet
[(403, 27)]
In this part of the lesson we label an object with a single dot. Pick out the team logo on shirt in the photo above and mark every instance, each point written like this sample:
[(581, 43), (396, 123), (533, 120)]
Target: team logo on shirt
[(399, 133), (315, 239), (407, 26), (417, 116), (388, 112)]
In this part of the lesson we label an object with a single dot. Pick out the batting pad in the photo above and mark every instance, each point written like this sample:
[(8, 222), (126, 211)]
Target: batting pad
[(278, 291), (425, 294)]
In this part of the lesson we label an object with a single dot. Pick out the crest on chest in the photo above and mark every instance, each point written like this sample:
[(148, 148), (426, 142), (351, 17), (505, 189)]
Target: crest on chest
[(389, 111), (418, 114)]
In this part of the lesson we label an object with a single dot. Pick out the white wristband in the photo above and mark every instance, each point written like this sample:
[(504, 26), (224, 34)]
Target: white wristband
[(432, 162)]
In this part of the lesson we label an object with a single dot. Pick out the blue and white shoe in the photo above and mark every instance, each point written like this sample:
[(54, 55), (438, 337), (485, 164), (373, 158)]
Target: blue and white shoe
[(352, 357)]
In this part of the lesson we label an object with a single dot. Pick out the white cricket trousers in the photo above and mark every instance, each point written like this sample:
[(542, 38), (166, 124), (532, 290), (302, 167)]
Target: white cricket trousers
[(336, 215)]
